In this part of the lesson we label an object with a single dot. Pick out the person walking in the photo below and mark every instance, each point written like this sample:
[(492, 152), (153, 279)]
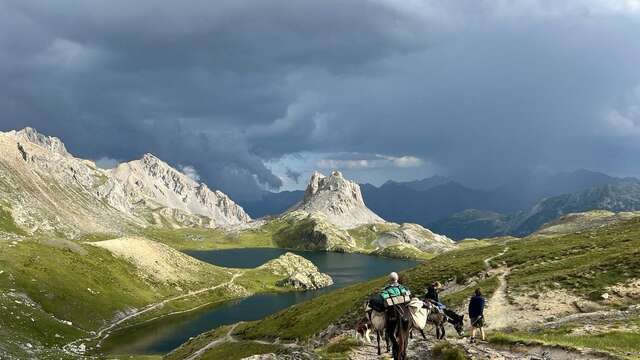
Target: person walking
[(476, 314)]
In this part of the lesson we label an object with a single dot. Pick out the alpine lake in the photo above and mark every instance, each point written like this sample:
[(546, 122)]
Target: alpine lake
[(165, 334)]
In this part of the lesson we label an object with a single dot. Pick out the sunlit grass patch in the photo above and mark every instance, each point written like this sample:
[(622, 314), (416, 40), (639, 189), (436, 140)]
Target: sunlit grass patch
[(238, 350)]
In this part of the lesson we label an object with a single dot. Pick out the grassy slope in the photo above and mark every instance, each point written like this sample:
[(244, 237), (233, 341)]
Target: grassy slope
[(7, 224), (365, 234), (585, 263), (88, 286), (402, 251), (208, 239), (238, 350), (618, 340), (59, 280)]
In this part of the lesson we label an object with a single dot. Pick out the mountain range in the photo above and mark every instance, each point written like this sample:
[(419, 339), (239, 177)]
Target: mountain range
[(516, 208), (44, 189)]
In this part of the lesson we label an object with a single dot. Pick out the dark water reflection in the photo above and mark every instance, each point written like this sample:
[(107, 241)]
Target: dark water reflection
[(162, 336)]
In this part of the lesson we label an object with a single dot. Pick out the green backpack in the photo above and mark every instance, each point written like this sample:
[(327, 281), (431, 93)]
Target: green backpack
[(395, 295)]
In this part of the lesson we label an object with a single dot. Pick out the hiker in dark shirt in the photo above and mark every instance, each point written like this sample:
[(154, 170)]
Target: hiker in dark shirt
[(476, 314), (433, 296)]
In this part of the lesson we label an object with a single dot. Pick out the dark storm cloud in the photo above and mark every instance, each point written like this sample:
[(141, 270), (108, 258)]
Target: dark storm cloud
[(483, 90), (292, 174)]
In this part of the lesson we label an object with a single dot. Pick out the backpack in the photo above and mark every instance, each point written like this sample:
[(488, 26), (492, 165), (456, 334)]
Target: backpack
[(395, 295), (376, 302)]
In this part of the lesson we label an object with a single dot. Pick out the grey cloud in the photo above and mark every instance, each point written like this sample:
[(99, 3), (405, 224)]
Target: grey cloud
[(293, 175), (479, 90)]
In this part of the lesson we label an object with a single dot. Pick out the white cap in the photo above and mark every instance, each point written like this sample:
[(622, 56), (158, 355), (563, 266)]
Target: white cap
[(393, 276)]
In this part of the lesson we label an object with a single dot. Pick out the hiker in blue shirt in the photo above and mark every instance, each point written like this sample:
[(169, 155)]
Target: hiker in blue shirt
[(476, 314)]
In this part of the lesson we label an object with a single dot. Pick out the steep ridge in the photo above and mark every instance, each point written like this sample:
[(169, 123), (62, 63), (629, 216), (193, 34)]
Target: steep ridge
[(47, 189), (156, 184), (339, 199)]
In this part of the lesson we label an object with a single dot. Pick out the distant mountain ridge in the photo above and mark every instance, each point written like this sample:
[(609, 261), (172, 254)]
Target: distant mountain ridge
[(453, 209), (620, 196)]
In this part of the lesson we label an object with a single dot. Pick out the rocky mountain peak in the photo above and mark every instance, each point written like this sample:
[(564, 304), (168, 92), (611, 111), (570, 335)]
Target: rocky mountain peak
[(339, 199), (49, 189), (50, 143), (157, 183)]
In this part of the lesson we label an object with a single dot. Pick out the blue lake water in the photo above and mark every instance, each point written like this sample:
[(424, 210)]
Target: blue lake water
[(164, 335)]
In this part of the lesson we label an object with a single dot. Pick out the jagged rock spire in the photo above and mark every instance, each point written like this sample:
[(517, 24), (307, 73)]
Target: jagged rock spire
[(339, 199)]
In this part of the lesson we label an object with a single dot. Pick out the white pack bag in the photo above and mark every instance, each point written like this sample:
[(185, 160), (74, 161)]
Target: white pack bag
[(418, 313)]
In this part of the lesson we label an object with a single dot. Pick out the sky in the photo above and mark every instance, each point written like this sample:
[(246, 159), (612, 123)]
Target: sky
[(255, 95)]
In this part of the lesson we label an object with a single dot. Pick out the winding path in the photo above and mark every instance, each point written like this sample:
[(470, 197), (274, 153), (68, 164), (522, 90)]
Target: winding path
[(229, 338), (226, 338), (498, 312), (104, 332)]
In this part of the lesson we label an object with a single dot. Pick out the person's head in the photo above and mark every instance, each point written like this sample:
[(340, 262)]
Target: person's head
[(393, 277), (436, 284), (478, 292)]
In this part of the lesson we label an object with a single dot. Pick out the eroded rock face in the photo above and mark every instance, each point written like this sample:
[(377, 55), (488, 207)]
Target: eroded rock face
[(299, 272), (417, 236), (48, 189), (339, 199), (154, 182), (50, 143)]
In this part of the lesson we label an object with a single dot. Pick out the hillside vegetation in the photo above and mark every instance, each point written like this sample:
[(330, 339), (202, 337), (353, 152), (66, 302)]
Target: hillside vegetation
[(55, 291), (596, 267)]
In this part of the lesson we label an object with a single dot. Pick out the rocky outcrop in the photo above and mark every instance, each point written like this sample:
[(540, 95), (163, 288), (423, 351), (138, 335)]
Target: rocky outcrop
[(313, 231), (416, 236), (53, 144), (337, 198), (298, 272)]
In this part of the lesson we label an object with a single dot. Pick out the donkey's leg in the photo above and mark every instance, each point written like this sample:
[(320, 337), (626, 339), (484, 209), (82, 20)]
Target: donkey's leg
[(378, 338), (443, 332), (386, 339), (423, 335)]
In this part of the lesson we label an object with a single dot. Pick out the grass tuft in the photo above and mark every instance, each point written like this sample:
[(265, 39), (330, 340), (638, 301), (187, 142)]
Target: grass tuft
[(447, 351)]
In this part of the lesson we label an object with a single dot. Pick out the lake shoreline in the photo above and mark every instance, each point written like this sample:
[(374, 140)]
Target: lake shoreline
[(160, 336)]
